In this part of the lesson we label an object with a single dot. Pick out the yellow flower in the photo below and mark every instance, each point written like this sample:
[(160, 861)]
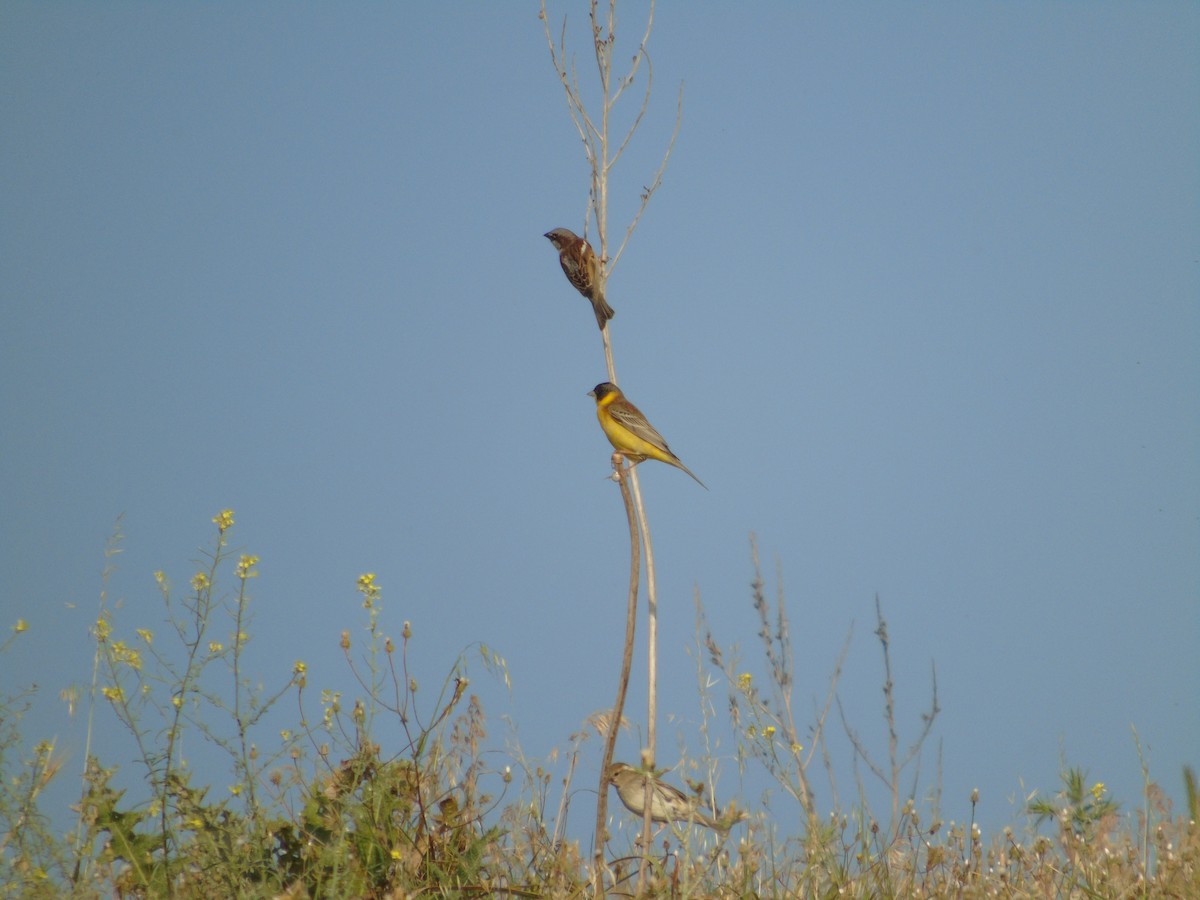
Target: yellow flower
[(235, 789), (146, 635), (368, 588), (769, 731), (124, 653), (21, 625), (744, 681), (103, 629), (177, 701), (300, 667), (223, 520), (1098, 790), (245, 566), (112, 693), (200, 581), (215, 646)]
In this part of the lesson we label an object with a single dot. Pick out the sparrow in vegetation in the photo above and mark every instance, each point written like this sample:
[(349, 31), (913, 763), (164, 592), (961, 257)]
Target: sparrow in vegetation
[(629, 432), (582, 269), (667, 802)]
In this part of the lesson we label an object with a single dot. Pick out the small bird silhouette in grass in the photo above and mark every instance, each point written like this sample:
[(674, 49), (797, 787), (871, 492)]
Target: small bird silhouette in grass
[(667, 802)]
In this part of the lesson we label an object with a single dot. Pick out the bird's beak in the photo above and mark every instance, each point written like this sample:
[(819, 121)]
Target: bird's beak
[(546, 235), (591, 393)]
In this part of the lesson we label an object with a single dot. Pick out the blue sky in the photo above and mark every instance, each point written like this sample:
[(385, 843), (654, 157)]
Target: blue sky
[(918, 300)]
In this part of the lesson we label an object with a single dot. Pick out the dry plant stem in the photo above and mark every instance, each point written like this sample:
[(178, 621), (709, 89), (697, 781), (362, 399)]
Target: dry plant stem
[(778, 648), (896, 763), (651, 651), (889, 701), (111, 549), (818, 739), (560, 821), (610, 740), (596, 141), (595, 137), (608, 354)]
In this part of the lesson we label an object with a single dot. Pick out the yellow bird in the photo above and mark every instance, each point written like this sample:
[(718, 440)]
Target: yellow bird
[(629, 431)]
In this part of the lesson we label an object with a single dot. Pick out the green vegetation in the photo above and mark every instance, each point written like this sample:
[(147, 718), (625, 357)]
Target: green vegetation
[(327, 813)]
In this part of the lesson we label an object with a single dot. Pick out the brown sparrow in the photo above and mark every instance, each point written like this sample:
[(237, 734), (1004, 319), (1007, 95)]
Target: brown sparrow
[(582, 269), (667, 802)]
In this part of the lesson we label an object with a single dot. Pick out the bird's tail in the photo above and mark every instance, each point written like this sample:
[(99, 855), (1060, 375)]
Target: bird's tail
[(676, 462), (603, 311)]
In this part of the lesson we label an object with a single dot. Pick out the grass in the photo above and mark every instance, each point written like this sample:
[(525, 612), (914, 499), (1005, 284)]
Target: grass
[(327, 813)]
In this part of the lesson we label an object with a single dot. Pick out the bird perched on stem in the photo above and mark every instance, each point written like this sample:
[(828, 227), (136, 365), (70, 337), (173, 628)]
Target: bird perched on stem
[(582, 269), (667, 802), (629, 431)]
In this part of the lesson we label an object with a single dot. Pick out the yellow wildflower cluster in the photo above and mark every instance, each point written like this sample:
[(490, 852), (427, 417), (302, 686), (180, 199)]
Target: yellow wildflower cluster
[(744, 681), (245, 567), (223, 520), (368, 588), (123, 653), (200, 582)]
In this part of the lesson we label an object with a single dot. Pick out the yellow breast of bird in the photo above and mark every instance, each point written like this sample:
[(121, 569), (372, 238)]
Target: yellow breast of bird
[(627, 442)]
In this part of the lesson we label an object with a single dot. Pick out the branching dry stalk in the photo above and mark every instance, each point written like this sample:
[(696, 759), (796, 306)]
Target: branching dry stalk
[(895, 763), (777, 647), (597, 144)]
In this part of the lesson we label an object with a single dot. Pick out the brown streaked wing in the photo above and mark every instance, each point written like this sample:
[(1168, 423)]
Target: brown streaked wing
[(630, 417)]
